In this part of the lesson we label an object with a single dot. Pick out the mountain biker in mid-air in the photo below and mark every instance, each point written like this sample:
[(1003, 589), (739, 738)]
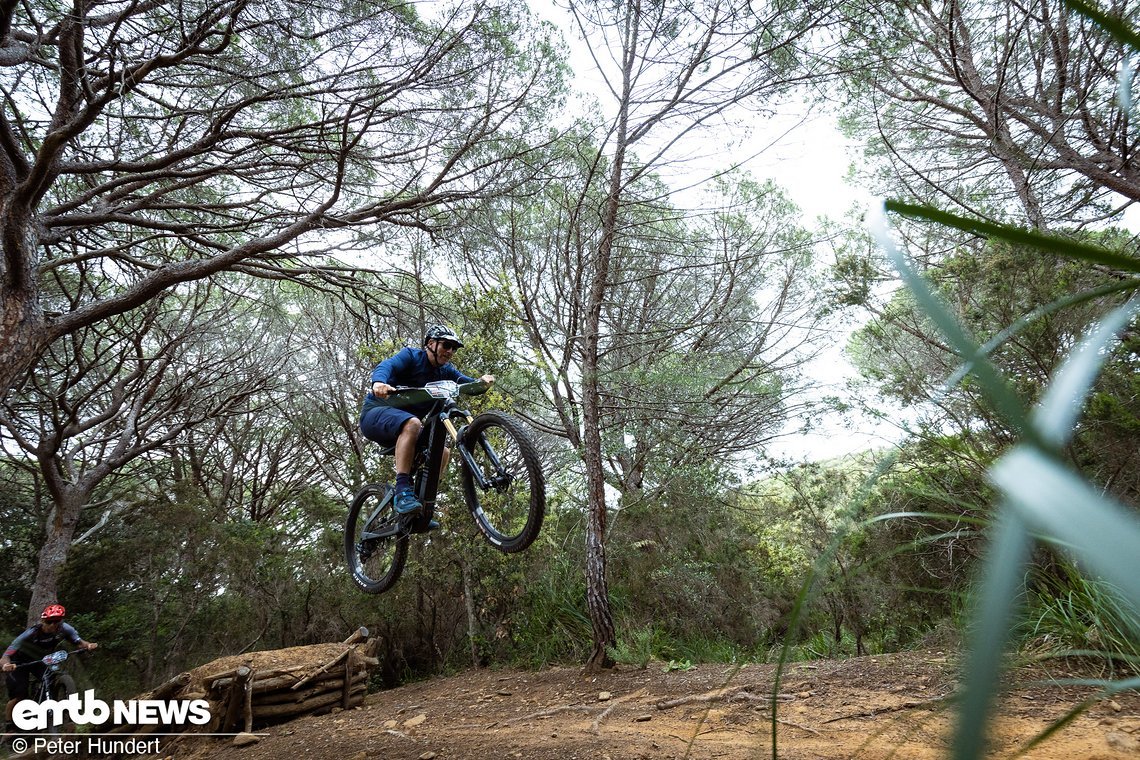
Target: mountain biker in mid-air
[(40, 640), (389, 425)]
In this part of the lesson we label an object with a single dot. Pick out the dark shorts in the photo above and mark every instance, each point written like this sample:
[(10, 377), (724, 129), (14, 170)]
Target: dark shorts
[(18, 680), (383, 424), (385, 428)]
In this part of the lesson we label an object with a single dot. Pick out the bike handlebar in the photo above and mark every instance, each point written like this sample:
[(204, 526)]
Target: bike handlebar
[(54, 658), (411, 395)]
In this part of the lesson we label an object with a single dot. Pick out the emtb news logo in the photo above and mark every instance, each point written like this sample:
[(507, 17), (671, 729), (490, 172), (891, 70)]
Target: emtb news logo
[(29, 715)]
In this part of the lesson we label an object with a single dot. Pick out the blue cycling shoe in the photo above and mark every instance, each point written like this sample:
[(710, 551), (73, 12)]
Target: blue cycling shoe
[(406, 502), (431, 525)]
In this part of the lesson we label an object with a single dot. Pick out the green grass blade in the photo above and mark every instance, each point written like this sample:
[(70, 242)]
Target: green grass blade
[(1023, 322), (1124, 84), (1050, 498), (1041, 495), (1069, 249), (949, 516), (1076, 712), (1003, 580), (808, 590), (1001, 394), (1056, 415), (1120, 31), (1132, 661), (1108, 687)]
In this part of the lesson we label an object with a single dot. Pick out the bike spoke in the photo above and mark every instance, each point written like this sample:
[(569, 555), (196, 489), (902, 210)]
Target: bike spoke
[(503, 482), (375, 548)]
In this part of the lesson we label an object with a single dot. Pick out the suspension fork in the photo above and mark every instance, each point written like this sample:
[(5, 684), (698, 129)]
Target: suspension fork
[(498, 478), (462, 444), (44, 689)]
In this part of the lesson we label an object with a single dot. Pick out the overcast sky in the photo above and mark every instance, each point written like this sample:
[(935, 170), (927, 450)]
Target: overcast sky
[(808, 157)]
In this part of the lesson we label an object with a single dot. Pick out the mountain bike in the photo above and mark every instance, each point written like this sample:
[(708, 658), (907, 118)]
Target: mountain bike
[(503, 485), (53, 683)]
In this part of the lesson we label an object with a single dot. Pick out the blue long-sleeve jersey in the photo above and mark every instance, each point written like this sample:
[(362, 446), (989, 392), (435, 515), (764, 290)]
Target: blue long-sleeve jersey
[(410, 367)]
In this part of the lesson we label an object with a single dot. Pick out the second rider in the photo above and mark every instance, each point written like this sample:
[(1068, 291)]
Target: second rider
[(389, 425)]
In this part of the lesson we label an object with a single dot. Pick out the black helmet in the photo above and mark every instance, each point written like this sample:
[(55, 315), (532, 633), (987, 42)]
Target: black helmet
[(441, 332)]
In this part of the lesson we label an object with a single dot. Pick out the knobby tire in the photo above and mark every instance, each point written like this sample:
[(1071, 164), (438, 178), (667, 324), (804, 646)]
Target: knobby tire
[(63, 686), (375, 564), (509, 514)]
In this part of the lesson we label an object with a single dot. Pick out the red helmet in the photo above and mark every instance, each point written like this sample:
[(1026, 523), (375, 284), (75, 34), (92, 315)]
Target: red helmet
[(53, 611)]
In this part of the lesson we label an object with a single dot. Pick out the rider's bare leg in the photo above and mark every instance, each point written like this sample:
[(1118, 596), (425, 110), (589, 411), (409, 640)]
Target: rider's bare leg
[(406, 446)]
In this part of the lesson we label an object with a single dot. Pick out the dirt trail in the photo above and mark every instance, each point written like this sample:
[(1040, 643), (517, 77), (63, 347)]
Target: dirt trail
[(870, 707)]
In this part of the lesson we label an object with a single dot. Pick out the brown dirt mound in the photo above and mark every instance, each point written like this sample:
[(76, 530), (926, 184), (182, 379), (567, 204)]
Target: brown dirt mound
[(871, 707), (273, 659)]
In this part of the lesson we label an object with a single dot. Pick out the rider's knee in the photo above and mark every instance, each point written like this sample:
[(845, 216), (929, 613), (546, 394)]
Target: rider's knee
[(412, 427)]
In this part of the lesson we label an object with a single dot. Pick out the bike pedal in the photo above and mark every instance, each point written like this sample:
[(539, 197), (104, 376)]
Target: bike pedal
[(408, 523)]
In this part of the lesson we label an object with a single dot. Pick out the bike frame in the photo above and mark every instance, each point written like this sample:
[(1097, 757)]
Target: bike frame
[(441, 423), (52, 666), (440, 427), (44, 688)]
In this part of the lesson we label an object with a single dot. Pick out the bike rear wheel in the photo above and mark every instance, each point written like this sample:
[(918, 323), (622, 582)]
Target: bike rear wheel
[(507, 493), (375, 562)]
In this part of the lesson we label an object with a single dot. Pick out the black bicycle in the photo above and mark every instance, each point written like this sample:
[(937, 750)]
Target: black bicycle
[(52, 683), (503, 485)]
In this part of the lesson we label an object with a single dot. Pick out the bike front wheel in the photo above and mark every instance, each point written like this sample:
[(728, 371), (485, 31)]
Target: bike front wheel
[(503, 482), (63, 685), (56, 687), (373, 547)]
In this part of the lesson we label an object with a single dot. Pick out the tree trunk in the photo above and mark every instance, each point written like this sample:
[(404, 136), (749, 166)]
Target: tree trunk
[(597, 590), (472, 618), (21, 322), (22, 328), (23, 335), (60, 530)]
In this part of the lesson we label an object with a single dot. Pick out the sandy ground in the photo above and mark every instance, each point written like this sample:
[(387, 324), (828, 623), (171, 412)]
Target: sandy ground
[(895, 706)]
